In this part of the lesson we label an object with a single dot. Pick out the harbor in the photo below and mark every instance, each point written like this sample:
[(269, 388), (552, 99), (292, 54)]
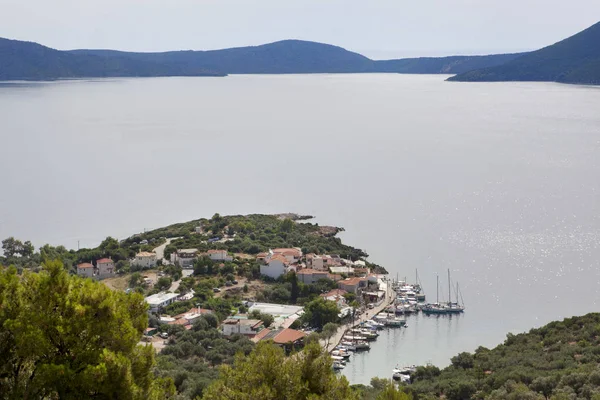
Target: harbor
[(366, 341)]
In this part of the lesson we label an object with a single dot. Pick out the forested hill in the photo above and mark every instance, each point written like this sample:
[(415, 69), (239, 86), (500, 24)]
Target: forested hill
[(573, 60), (558, 361), (31, 61)]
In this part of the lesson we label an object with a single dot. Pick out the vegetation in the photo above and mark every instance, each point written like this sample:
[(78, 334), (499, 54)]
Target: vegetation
[(573, 60), (320, 312), (67, 337), (558, 361), (31, 61), (268, 374), (190, 357)]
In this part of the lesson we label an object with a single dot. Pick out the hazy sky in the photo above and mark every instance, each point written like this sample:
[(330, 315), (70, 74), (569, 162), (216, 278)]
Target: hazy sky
[(377, 28)]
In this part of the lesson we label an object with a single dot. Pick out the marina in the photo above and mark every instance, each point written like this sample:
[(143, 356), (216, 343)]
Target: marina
[(389, 317)]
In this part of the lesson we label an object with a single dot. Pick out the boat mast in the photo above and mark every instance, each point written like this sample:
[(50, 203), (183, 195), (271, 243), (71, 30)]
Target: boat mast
[(457, 293), (449, 290), (437, 290)]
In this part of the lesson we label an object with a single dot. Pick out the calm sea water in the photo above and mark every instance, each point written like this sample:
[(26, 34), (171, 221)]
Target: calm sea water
[(498, 182)]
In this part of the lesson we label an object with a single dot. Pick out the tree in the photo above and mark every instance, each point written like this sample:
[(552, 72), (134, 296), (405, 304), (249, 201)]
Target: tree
[(295, 287), (329, 329), (71, 338), (163, 283), (390, 392), (268, 374), (287, 225), (319, 312), (135, 280), (267, 319)]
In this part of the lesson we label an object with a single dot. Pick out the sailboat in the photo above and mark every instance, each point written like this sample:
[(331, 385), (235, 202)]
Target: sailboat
[(437, 307), (454, 308)]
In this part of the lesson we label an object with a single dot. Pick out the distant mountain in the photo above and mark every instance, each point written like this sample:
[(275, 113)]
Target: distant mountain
[(31, 61), (573, 60), (284, 57), (443, 65)]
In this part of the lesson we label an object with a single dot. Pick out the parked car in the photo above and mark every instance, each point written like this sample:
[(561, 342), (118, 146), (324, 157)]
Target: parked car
[(228, 283), (164, 335), (216, 290), (234, 282)]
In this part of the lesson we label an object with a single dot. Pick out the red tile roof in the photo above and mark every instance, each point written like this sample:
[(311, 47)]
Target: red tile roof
[(334, 292), (85, 265), (261, 335), (279, 257), (104, 261), (288, 336), (351, 281), (216, 251)]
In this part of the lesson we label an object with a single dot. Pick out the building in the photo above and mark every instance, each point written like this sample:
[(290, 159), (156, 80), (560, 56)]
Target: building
[(105, 267), (352, 285), (86, 270), (276, 266), (342, 270), (262, 258), (310, 276), (288, 338), (293, 255), (219, 255), (247, 327), (160, 300), (337, 296), (315, 261), (184, 257), (145, 259)]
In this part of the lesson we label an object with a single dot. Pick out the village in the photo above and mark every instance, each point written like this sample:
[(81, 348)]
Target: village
[(354, 290)]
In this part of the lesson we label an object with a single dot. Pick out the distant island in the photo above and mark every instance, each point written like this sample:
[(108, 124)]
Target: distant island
[(31, 61), (573, 60)]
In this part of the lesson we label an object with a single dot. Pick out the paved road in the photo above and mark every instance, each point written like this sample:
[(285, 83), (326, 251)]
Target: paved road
[(337, 338), (160, 250)]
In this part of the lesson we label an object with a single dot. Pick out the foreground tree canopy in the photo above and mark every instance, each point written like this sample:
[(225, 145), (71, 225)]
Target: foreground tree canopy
[(267, 374), (65, 337)]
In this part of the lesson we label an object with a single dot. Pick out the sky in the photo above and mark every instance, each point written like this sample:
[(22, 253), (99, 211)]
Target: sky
[(377, 28)]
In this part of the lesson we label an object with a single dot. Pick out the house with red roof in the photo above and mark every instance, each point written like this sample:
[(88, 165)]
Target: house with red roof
[(105, 267), (276, 266), (352, 285), (310, 276), (85, 270)]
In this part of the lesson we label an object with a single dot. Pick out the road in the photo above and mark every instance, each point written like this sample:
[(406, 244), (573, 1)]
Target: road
[(337, 338), (160, 250)]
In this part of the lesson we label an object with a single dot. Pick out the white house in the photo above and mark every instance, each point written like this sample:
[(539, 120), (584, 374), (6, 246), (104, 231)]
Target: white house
[(219, 255), (160, 300), (315, 261), (86, 270), (293, 255), (275, 268), (184, 257), (145, 259), (248, 327), (310, 276), (106, 267)]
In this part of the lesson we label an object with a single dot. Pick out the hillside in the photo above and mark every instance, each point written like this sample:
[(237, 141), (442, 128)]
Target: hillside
[(573, 60), (443, 65), (31, 61), (284, 57), (558, 361)]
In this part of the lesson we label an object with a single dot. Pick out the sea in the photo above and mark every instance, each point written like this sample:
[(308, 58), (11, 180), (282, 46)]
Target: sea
[(497, 182)]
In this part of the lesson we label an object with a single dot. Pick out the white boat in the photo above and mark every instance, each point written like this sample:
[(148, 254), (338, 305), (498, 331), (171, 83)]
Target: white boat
[(402, 374), (339, 353), (337, 366)]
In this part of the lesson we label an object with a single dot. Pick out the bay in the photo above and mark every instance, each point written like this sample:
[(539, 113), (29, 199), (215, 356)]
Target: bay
[(498, 182)]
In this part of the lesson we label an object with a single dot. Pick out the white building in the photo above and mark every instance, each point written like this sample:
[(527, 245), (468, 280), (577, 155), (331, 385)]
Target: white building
[(162, 299), (293, 255), (275, 268), (105, 267), (184, 257), (248, 327), (145, 259), (315, 261), (86, 270), (310, 276), (219, 255)]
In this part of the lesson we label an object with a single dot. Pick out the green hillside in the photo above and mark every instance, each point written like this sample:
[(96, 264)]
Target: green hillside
[(560, 361), (31, 61), (573, 60)]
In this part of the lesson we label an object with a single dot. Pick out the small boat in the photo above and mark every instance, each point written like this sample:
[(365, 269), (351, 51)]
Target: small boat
[(337, 366), (362, 346), (403, 374), (339, 353)]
